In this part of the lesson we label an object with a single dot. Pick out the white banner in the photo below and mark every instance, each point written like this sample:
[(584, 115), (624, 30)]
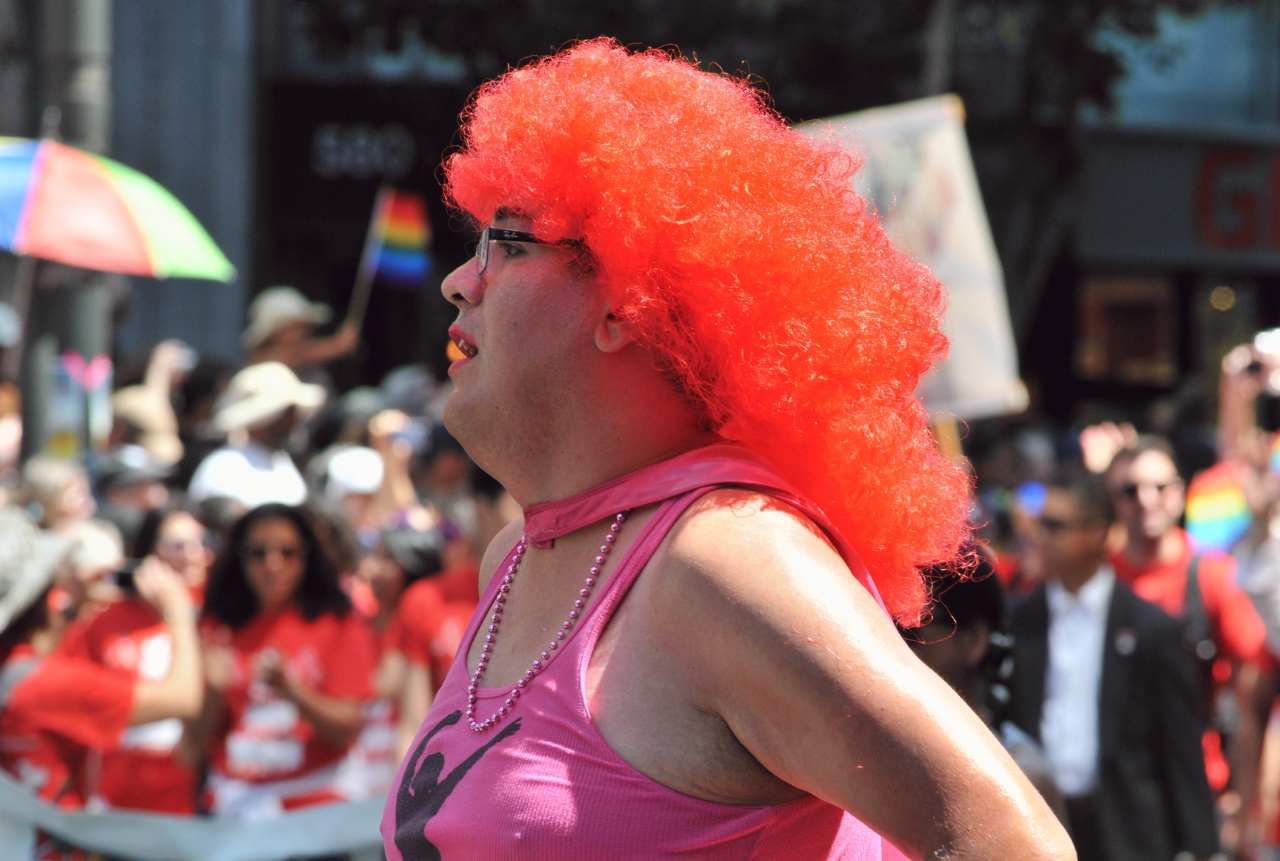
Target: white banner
[(326, 829), (919, 174)]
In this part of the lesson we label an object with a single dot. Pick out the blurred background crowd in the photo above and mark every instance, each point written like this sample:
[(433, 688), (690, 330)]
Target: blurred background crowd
[(247, 599), (238, 549)]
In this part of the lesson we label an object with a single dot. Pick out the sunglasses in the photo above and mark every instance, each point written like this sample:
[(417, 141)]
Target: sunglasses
[(1131, 490), (1054, 525), (189, 545), (499, 234), (260, 552)]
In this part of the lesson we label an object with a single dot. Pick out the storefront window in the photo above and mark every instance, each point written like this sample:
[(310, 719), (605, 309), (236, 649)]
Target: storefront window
[(1127, 331)]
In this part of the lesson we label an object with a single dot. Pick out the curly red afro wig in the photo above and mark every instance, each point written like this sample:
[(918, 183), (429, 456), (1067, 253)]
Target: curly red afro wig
[(752, 270)]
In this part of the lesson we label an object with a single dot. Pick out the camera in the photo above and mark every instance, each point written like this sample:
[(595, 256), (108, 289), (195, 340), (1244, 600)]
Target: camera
[(123, 577)]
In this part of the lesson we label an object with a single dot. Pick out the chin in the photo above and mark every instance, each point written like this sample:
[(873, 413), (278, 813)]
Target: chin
[(460, 416)]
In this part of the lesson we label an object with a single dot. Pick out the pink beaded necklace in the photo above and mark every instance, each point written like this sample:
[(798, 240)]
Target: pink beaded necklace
[(495, 620)]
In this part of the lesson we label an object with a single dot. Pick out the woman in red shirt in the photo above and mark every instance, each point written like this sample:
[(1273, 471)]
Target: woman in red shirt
[(289, 666), (54, 710), (129, 635)]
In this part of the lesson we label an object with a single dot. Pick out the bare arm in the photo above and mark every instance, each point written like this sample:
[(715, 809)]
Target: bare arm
[(1255, 690), (218, 662), (395, 496), (814, 681), (415, 702), (314, 351), (180, 693)]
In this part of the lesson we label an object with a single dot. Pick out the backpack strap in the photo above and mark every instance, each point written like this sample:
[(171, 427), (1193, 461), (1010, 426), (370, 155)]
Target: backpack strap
[(1196, 628)]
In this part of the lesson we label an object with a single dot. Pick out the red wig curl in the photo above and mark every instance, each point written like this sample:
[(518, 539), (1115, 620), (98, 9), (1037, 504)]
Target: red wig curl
[(752, 270)]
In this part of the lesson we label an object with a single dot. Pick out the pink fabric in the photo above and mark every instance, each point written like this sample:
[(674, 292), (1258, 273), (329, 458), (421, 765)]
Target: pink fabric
[(544, 784), (711, 466)]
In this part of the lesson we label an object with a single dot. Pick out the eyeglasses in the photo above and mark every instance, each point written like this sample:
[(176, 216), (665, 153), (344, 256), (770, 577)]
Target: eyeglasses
[(185, 545), (1054, 525), (260, 553), (1131, 490), (500, 234)]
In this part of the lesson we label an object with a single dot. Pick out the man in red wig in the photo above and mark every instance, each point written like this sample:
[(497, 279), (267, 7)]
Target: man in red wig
[(690, 355)]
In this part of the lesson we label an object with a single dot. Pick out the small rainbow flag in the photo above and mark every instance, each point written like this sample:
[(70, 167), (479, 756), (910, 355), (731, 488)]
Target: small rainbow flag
[(1218, 514), (1273, 459), (398, 238), (395, 248)]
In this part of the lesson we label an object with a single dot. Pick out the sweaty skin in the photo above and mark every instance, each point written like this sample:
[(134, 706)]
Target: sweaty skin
[(747, 665)]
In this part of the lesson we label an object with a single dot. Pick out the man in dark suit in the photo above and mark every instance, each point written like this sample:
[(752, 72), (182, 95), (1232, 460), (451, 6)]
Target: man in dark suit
[(1103, 682)]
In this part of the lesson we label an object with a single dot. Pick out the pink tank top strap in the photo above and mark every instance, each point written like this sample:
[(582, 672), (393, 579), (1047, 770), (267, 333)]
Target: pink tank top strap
[(706, 468), (637, 557)]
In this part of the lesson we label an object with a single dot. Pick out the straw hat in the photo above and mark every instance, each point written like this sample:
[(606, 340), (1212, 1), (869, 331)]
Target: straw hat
[(277, 307), (261, 392), (29, 557)]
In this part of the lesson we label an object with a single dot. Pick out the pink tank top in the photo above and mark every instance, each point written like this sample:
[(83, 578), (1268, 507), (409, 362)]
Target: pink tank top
[(544, 784)]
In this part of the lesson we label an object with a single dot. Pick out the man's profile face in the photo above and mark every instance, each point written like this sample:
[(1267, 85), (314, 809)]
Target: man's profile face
[(526, 325), (1148, 494)]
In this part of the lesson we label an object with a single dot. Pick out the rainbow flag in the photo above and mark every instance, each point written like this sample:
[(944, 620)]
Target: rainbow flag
[(398, 238), (1218, 514), (1273, 458)]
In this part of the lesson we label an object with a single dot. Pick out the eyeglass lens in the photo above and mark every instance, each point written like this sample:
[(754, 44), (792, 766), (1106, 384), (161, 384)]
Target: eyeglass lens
[(482, 251)]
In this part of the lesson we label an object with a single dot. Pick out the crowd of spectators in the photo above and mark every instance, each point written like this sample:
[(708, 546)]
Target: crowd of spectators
[(244, 603), (1121, 646)]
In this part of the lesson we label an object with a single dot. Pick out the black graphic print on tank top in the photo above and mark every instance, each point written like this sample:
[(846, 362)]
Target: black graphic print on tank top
[(422, 793)]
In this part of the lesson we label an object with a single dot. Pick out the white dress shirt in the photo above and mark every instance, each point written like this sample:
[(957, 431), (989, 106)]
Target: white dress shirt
[(1073, 679), (1258, 575), (250, 474)]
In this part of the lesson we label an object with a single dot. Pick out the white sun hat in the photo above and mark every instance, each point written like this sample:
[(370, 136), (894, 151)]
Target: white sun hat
[(277, 307), (261, 392), (357, 469)]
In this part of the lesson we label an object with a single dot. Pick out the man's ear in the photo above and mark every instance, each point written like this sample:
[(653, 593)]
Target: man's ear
[(613, 333)]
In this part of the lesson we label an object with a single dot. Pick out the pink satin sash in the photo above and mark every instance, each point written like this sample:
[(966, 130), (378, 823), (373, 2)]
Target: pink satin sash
[(710, 466)]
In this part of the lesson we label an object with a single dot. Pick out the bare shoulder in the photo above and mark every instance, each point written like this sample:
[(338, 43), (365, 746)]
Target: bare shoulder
[(751, 582), (761, 553), (806, 670), (498, 549)]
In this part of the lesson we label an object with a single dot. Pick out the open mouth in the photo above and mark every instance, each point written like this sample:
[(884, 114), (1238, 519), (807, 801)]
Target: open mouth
[(460, 348)]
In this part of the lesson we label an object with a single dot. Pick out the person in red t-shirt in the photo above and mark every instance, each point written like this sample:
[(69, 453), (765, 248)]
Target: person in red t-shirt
[(54, 710), (402, 558), (433, 615), (1223, 631), (290, 668), (146, 773)]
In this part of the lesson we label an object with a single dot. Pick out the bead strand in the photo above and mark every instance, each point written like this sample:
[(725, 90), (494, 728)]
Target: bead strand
[(539, 663)]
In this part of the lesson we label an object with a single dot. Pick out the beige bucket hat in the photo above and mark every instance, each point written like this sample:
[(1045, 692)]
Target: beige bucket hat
[(29, 558), (277, 307), (260, 393)]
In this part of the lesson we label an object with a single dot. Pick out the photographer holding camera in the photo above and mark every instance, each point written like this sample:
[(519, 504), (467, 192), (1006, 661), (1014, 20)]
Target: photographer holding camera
[(55, 710)]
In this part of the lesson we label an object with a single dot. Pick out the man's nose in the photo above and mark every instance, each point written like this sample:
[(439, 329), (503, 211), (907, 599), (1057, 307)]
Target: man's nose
[(462, 286)]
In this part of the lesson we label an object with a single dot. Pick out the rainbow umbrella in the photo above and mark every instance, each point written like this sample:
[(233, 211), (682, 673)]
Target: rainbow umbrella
[(63, 204)]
